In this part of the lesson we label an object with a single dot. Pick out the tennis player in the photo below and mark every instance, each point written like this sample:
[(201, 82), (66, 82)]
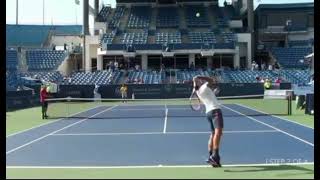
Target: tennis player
[(124, 90), (206, 89), (43, 96)]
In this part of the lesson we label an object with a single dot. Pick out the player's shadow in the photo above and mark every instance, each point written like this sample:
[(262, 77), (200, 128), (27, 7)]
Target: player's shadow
[(295, 169)]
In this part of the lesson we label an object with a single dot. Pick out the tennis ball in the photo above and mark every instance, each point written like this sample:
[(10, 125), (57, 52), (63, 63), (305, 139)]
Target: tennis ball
[(311, 111), (198, 14)]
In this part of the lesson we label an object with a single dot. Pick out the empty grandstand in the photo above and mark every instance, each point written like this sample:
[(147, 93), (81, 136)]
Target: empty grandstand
[(187, 38)]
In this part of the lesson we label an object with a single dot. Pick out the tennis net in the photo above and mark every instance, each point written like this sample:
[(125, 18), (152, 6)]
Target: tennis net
[(253, 105)]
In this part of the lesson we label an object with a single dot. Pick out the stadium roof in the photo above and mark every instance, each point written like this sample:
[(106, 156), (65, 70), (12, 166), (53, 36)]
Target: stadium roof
[(35, 35), (285, 6)]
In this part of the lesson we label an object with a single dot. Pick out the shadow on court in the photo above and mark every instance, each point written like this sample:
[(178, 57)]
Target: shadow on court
[(297, 169)]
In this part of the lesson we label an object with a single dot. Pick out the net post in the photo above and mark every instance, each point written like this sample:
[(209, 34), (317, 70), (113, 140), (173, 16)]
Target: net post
[(290, 104)]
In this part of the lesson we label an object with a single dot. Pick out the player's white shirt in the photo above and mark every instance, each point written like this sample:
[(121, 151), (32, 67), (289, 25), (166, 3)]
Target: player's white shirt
[(208, 98)]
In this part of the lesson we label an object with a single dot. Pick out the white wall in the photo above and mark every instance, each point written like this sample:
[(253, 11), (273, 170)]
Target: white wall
[(235, 24), (92, 44), (60, 40), (246, 38)]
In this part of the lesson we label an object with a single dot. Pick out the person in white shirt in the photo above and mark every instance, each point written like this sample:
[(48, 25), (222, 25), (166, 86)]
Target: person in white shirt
[(253, 65), (206, 90)]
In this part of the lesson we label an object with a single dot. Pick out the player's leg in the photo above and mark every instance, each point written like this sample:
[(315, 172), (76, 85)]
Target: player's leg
[(218, 123), (212, 129), (122, 96), (45, 109), (42, 109)]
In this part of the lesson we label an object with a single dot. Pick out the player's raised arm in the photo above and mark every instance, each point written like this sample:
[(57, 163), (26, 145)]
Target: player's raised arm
[(212, 81)]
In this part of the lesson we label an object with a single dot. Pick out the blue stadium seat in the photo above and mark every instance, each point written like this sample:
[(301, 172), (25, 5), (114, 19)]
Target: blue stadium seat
[(44, 59), (167, 17), (290, 57), (11, 59), (170, 38), (139, 17)]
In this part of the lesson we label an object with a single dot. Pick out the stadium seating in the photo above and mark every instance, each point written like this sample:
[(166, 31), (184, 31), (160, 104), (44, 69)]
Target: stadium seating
[(103, 14), (172, 38), (248, 76), (107, 38), (228, 37), (115, 21), (167, 17), (44, 59), (186, 75), (12, 80), (300, 43), (202, 37), (134, 38), (146, 77), (91, 78), (296, 76), (290, 57), (54, 76), (193, 20), (139, 17), (11, 59)]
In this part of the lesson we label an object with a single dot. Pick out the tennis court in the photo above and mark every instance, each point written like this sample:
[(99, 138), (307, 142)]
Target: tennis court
[(138, 135)]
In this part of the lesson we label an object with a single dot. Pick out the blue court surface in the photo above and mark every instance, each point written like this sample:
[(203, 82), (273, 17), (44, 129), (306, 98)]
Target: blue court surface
[(153, 141)]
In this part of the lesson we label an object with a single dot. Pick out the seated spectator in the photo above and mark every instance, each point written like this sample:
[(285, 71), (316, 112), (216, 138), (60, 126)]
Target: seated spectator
[(278, 80), (258, 78)]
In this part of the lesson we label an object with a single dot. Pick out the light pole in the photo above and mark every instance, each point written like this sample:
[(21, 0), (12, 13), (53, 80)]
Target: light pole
[(288, 27)]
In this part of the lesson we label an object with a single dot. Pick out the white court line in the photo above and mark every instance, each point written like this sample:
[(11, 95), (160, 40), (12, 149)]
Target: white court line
[(159, 133), (275, 116), (47, 123), (153, 166), (295, 137), (42, 137), (165, 120)]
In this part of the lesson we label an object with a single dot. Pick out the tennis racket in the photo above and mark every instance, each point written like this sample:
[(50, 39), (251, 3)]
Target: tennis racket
[(195, 103)]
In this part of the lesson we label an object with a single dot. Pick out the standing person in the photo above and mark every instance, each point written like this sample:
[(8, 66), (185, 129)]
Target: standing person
[(44, 103), (253, 65), (206, 90), (124, 92), (96, 93)]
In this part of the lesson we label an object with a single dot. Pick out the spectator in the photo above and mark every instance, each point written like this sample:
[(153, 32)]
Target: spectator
[(253, 65), (162, 68), (256, 66), (192, 66), (257, 78), (116, 65), (270, 67), (137, 67), (278, 80), (263, 66)]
